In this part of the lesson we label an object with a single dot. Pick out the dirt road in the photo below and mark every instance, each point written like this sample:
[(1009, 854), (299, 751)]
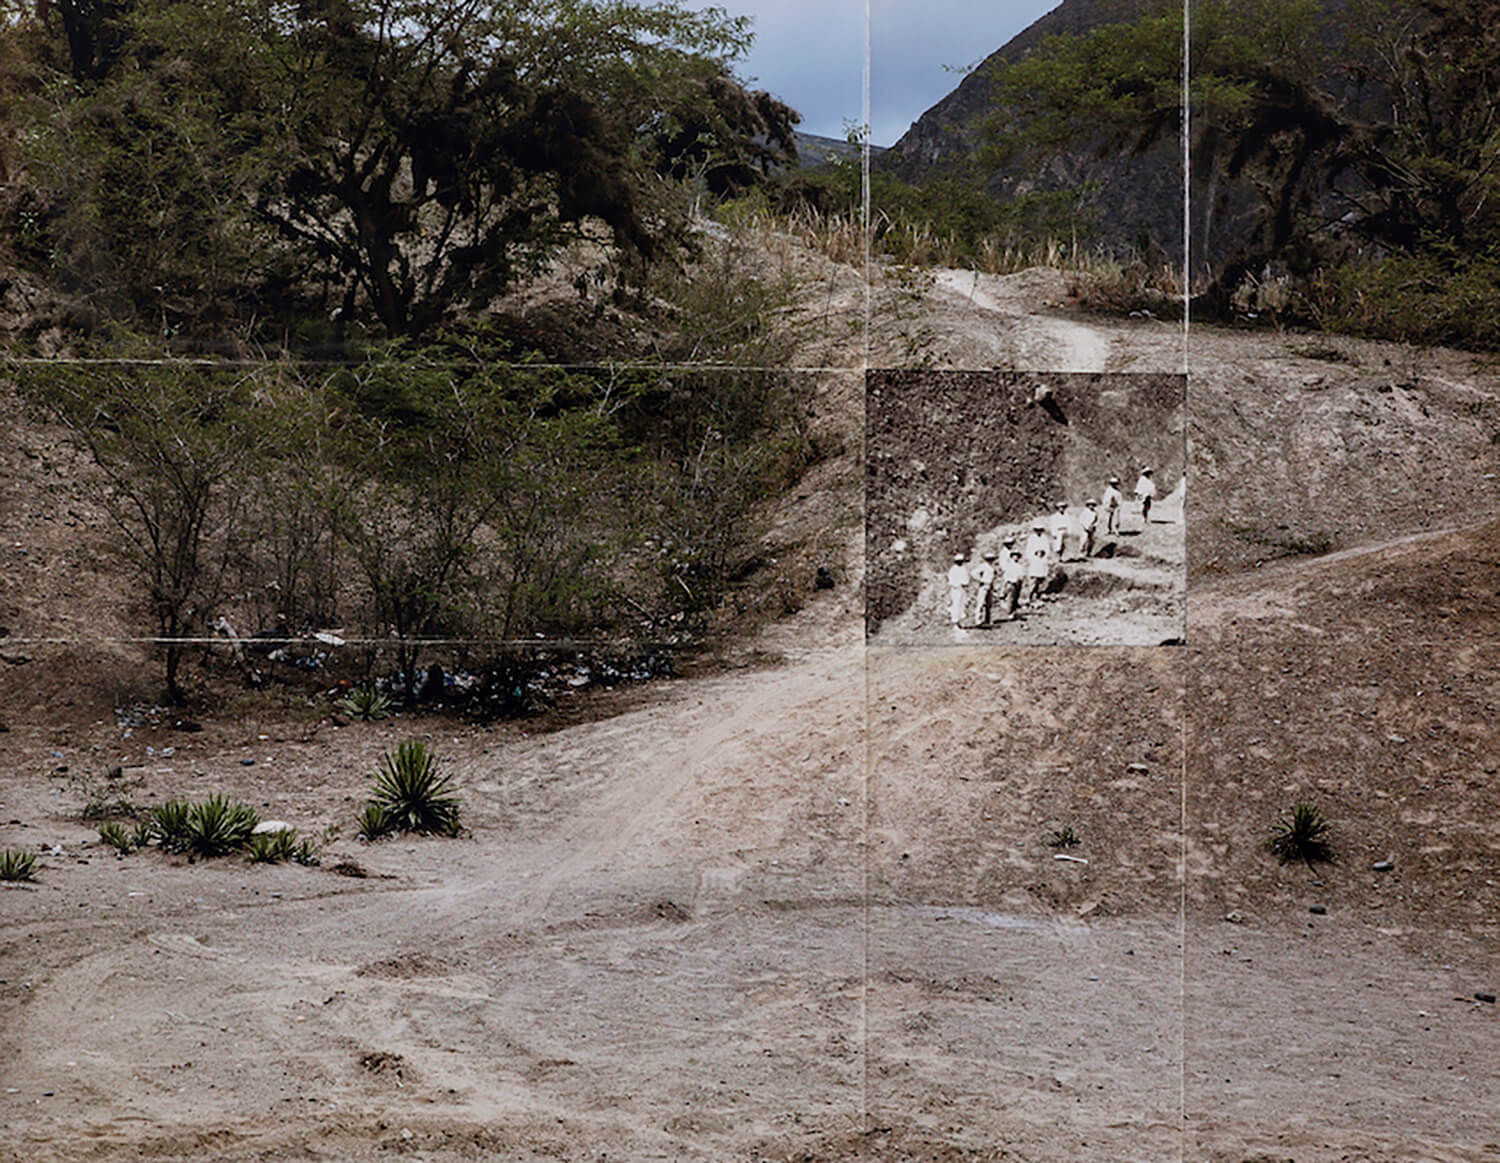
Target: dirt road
[(815, 910)]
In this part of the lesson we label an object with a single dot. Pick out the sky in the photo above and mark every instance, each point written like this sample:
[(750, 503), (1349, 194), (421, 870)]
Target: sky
[(811, 54)]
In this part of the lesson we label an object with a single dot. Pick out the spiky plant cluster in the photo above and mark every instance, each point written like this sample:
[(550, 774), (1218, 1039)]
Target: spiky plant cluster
[(219, 826), (410, 795), (115, 835), (1064, 838), (283, 844), (1301, 836), (366, 702), (168, 824), (17, 864)]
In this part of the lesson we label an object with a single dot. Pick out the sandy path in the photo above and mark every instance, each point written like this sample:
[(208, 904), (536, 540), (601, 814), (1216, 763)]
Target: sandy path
[(1047, 342)]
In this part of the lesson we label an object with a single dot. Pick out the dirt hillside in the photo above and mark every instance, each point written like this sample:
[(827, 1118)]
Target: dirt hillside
[(822, 906)]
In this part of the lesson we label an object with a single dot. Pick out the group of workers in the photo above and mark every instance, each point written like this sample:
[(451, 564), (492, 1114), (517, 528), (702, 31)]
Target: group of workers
[(1019, 574)]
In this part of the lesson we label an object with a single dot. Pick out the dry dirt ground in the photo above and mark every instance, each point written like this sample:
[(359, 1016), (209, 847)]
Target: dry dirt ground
[(811, 910)]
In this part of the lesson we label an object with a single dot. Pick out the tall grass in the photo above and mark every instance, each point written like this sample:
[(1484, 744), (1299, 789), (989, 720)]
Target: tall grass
[(909, 240)]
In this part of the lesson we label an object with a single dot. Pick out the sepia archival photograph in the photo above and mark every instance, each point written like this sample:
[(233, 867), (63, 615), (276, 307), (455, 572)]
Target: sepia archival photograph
[(615, 580), (997, 509)]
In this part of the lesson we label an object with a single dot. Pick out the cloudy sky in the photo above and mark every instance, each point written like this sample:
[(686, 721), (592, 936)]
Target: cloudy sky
[(811, 54)]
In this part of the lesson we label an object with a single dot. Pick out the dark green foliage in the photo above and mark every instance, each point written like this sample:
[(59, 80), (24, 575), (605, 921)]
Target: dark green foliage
[(283, 844), (1301, 836), (17, 864), (366, 702), (271, 847), (1364, 130), (389, 165), (373, 822), (1064, 838), (410, 795), (170, 825), (218, 826), (115, 835)]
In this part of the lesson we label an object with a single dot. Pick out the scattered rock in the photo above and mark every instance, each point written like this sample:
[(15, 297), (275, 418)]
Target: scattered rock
[(824, 579), (186, 725), (348, 868), (1488, 998), (1234, 918), (1320, 910), (268, 826), (1395, 738), (247, 762), (1383, 866), (1138, 768)]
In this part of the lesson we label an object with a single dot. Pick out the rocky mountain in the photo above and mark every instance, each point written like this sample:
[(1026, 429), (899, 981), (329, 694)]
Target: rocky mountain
[(1136, 201)]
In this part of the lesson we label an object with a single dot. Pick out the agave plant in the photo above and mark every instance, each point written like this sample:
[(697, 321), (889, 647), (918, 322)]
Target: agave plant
[(373, 822), (116, 837), (219, 826), (1302, 836), (271, 847), (169, 825), (17, 864), (366, 702), (411, 795)]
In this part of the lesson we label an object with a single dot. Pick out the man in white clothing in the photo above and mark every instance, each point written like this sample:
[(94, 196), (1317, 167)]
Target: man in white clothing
[(1088, 524), (1038, 562), (1013, 577), (1113, 499), (958, 582), (984, 575), (1145, 490), (1061, 527)]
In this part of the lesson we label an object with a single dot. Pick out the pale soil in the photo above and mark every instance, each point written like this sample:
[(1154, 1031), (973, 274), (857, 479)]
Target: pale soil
[(810, 911)]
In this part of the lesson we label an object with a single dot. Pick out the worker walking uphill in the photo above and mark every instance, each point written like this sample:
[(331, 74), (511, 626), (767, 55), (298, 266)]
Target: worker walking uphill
[(1061, 527), (1088, 525), (1038, 562), (984, 574), (958, 582), (1012, 577), (1113, 499), (1145, 490)]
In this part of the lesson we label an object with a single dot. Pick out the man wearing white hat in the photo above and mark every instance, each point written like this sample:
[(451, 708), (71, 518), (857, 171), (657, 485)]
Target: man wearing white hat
[(1013, 577), (1145, 490), (958, 582), (1113, 499), (1061, 527), (1088, 525), (1038, 561), (984, 574)]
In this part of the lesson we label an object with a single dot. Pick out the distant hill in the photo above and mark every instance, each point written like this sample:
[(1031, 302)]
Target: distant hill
[(815, 151), (1139, 203)]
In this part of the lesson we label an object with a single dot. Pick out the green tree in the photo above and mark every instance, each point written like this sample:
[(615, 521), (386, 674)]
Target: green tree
[(402, 161), (169, 441), (1367, 125), (478, 502)]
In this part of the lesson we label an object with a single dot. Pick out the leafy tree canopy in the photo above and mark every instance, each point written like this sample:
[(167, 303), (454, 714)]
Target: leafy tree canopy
[(1369, 127), (402, 160)]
